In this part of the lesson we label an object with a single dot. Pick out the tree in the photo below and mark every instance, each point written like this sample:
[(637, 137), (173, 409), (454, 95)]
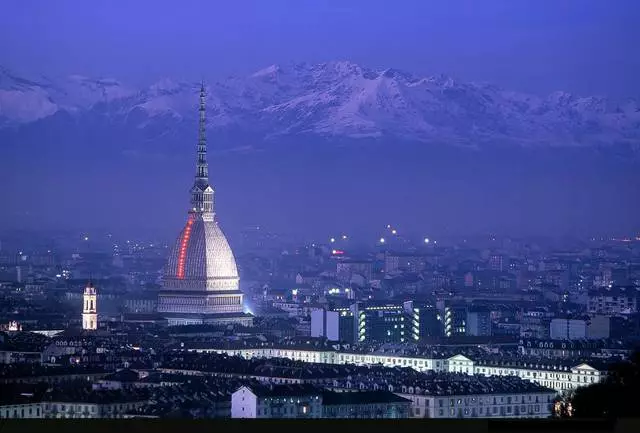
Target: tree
[(615, 397)]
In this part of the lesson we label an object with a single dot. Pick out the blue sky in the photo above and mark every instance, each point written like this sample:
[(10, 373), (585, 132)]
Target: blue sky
[(588, 47), (583, 46)]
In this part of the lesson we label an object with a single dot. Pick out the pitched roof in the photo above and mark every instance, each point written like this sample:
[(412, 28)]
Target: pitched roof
[(330, 398)]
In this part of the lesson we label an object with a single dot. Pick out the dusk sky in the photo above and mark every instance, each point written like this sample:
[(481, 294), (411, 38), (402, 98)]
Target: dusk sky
[(540, 46), (584, 46)]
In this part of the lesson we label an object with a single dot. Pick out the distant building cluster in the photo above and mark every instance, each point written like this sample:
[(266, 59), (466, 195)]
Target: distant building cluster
[(392, 326)]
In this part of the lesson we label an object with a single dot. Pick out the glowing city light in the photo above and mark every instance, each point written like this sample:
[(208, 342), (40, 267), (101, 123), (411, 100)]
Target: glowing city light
[(388, 226), (344, 236), (332, 240), (394, 231), (426, 240), (86, 238), (382, 240)]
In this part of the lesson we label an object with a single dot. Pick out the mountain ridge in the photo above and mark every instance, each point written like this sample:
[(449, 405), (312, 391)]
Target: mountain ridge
[(337, 99)]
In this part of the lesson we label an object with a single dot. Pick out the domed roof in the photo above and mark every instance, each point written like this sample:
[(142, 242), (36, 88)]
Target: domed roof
[(201, 259)]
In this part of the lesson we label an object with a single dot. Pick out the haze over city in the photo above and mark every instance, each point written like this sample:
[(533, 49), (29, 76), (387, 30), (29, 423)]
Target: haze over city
[(457, 168)]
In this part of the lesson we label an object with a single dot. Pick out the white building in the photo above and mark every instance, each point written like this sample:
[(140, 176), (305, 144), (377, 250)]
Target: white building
[(490, 404), (559, 375)]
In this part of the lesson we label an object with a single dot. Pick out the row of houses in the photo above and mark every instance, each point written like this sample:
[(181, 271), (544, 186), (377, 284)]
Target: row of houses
[(560, 375)]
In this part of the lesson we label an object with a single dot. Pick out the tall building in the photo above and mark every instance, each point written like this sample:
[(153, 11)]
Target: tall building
[(455, 320), (380, 322), (423, 320), (89, 308), (201, 282)]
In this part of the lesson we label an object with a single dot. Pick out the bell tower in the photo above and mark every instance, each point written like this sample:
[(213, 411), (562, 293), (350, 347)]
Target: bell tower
[(90, 308)]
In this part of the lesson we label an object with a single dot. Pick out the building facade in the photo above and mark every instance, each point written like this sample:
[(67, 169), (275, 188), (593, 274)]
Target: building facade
[(559, 375), (307, 402), (568, 329)]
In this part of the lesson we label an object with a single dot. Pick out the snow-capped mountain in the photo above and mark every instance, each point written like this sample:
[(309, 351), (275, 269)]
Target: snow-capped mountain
[(335, 99)]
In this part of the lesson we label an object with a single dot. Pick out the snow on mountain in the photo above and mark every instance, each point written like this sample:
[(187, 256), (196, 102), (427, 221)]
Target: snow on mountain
[(338, 99), (23, 100), (78, 92)]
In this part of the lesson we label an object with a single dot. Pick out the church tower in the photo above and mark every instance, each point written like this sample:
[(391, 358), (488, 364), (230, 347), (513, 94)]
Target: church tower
[(90, 308)]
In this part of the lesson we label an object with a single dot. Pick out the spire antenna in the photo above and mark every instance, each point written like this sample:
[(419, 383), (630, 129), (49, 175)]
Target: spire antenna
[(202, 174), (202, 192)]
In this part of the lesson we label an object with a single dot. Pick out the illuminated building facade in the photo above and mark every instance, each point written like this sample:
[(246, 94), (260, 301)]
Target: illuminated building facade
[(381, 322), (201, 282), (423, 320), (455, 320), (89, 308)]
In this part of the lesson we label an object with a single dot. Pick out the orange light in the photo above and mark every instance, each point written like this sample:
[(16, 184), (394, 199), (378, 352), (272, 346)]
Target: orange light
[(183, 248)]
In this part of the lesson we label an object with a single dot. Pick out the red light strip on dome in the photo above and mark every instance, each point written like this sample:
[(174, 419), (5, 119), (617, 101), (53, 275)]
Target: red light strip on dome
[(184, 242)]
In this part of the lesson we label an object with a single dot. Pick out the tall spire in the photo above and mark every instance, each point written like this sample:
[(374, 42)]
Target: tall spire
[(202, 174), (202, 192)]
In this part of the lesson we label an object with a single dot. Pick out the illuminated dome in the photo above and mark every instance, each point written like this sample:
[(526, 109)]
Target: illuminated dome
[(201, 259), (201, 283)]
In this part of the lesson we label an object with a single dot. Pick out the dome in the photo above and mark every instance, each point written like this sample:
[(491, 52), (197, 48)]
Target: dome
[(201, 259)]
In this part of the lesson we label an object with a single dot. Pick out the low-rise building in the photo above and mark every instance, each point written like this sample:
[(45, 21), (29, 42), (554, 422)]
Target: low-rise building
[(69, 400), (304, 401), (278, 401), (457, 395), (561, 375), (365, 405)]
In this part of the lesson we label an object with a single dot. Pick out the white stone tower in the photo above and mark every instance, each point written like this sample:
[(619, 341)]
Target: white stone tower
[(90, 308)]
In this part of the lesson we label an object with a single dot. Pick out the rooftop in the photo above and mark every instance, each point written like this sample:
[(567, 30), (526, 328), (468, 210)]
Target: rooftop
[(330, 398), (408, 381)]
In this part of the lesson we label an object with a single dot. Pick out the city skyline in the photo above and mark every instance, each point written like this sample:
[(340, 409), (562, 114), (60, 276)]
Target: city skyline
[(334, 210)]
